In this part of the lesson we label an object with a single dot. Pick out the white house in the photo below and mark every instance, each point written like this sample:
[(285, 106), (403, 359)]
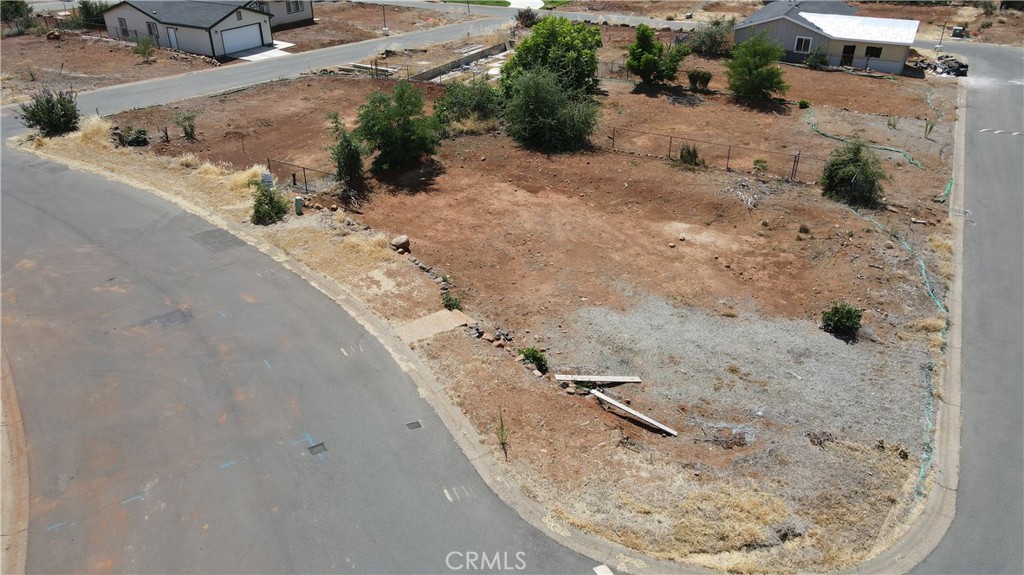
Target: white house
[(881, 44)]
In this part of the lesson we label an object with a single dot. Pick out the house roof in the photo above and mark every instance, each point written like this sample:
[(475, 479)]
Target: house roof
[(791, 10), (863, 29), (205, 14)]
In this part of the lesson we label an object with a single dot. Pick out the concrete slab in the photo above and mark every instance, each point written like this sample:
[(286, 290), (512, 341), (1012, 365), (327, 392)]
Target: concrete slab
[(264, 52), (431, 325)]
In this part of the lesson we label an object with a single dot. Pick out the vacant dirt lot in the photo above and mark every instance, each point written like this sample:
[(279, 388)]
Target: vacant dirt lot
[(796, 451)]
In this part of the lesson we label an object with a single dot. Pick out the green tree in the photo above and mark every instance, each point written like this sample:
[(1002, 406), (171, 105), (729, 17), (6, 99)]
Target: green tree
[(52, 113), (462, 101), (752, 71), (268, 206), (712, 39), (346, 153), (647, 58), (91, 12), (542, 115), (145, 48), (395, 126), (853, 175), (568, 49), (13, 10)]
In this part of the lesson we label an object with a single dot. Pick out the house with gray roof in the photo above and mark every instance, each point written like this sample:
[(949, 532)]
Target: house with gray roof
[(213, 28), (834, 29)]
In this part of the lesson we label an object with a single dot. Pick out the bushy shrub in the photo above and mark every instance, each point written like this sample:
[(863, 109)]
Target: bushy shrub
[(463, 101), (689, 155), (853, 175), (842, 320), (567, 49), (712, 39), (699, 79), (803, 104), (647, 58), (527, 18), (395, 126), (346, 153), (760, 166), (541, 114), (92, 12), (268, 206), (145, 48), (130, 136), (753, 71), (51, 112), (536, 357)]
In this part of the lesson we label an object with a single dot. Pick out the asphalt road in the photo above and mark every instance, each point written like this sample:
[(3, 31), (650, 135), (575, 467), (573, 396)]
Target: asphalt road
[(986, 534), (172, 380)]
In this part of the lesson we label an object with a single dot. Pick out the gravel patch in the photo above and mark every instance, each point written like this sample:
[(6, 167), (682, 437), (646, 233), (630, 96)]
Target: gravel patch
[(787, 372)]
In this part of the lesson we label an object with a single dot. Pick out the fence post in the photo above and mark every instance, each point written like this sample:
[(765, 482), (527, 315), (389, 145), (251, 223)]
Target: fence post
[(670, 147), (305, 181), (728, 156), (613, 138), (796, 164), (295, 182)]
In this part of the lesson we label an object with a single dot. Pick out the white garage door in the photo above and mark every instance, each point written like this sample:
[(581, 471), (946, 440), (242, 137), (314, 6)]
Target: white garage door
[(242, 38)]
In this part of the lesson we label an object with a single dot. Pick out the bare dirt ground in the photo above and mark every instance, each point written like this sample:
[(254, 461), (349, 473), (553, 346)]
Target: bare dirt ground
[(89, 60), (796, 451)]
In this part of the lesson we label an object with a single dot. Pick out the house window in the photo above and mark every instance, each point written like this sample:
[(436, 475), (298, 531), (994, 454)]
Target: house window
[(123, 25), (873, 51), (151, 28), (294, 7), (238, 15), (803, 45), (263, 6)]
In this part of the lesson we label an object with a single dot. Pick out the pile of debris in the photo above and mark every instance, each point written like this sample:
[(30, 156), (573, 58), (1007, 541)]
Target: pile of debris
[(190, 57), (944, 65)]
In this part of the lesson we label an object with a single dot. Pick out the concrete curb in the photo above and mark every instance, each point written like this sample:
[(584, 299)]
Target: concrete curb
[(928, 530), (14, 477)]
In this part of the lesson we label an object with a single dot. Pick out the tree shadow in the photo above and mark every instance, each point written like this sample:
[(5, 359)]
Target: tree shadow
[(776, 106), (412, 179)]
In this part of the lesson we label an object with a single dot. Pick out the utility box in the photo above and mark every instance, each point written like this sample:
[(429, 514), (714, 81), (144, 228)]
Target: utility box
[(298, 205)]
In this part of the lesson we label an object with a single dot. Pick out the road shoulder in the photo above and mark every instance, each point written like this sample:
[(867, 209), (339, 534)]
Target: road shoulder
[(14, 477)]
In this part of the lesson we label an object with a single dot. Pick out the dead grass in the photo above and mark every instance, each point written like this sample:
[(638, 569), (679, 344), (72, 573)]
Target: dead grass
[(928, 324), (473, 125), (95, 131), (728, 519)]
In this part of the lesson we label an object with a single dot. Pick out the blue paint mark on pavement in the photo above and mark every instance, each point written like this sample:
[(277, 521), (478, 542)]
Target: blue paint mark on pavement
[(222, 314), (132, 498), (267, 363), (228, 464), (56, 525)]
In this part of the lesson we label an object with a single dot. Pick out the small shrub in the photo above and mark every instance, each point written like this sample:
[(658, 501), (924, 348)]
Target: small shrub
[(462, 102), (450, 301), (853, 175), (893, 122), (91, 12), (760, 167), (816, 59), (804, 229), (803, 104), (543, 115), (929, 125), (842, 320), (395, 125), (14, 10), (52, 113), (527, 18), (536, 357), (648, 58), (986, 24), (130, 136), (502, 433), (31, 74), (712, 39), (145, 48), (346, 153), (699, 79), (689, 155), (186, 120), (268, 205), (753, 71)]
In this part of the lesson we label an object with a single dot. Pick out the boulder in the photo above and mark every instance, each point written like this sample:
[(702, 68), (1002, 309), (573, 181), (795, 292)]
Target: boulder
[(400, 242)]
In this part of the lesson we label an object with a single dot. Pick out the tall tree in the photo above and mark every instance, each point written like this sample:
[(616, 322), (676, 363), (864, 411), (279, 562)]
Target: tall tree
[(648, 59)]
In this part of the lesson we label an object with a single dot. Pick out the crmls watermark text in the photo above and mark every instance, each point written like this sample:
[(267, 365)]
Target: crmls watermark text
[(484, 561)]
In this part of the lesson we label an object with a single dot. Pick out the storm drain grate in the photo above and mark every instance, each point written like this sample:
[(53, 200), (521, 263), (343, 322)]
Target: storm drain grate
[(317, 449), (414, 425)]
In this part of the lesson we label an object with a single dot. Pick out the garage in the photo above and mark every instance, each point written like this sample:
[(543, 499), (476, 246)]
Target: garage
[(242, 38)]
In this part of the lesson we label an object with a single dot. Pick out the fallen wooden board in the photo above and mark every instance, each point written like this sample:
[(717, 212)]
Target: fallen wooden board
[(633, 412), (598, 378)]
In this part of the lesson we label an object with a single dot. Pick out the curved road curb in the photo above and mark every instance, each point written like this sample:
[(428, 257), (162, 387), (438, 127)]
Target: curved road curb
[(14, 477), (458, 425), (940, 508)]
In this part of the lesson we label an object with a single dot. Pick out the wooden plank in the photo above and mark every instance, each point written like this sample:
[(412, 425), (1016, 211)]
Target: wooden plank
[(598, 378), (633, 412)]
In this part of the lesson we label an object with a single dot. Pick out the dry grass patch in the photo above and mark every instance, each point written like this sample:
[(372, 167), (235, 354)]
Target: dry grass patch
[(928, 324), (727, 519), (95, 131)]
